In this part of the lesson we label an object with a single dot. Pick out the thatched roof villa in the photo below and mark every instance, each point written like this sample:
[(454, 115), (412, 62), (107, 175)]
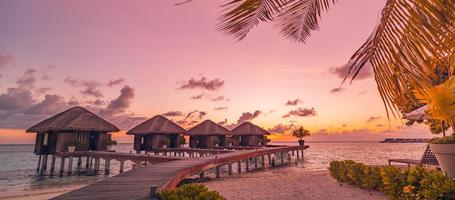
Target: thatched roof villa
[(76, 124), (248, 134), (157, 132), (208, 134)]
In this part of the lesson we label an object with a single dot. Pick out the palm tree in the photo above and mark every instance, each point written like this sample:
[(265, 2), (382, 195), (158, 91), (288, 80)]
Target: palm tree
[(301, 133), (409, 34), (440, 101)]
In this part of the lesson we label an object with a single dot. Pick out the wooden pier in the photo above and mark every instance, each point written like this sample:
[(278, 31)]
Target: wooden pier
[(143, 183)]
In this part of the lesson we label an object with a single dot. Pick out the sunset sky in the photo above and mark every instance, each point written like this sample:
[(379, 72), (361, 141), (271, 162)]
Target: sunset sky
[(130, 61)]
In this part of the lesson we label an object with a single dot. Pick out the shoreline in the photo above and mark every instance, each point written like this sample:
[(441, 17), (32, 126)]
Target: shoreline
[(288, 183), (42, 193)]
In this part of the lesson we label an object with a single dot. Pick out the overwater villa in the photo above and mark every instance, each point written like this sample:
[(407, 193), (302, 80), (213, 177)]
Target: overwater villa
[(208, 134), (157, 132), (77, 126), (248, 134)]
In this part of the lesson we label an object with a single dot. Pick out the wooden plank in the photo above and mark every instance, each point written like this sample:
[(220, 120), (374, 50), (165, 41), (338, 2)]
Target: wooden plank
[(135, 184)]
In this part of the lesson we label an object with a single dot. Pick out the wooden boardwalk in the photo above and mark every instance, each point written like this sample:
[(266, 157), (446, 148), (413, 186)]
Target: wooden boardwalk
[(136, 184)]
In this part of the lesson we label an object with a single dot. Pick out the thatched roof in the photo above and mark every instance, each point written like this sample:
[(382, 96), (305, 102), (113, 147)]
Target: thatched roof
[(247, 128), (74, 119), (156, 125), (208, 127)]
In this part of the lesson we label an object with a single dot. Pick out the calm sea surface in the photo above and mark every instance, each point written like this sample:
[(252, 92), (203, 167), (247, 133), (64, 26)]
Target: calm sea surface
[(18, 163)]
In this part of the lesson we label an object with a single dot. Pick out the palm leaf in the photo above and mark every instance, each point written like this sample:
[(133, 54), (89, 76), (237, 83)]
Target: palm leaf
[(299, 18), (409, 35), (242, 15)]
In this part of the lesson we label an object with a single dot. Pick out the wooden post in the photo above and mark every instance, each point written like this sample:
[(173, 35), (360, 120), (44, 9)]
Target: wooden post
[(239, 166), (87, 162), (62, 164), (292, 152), (122, 162), (201, 175), (97, 165), (107, 166), (70, 165), (52, 163), (230, 168), (263, 161), (39, 163), (255, 162), (247, 164), (303, 158), (79, 162), (153, 191), (298, 156), (270, 159), (43, 164), (282, 157), (289, 158), (217, 171)]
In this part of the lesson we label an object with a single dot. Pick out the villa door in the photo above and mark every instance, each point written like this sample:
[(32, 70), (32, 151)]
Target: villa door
[(244, 140), (174, 139), (93, 142)]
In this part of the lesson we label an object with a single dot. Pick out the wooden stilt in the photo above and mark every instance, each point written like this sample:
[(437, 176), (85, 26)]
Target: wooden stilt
[(282, 157), (269, 157), (97, 165), (230, 169), (292, 152), (62, 164), (79, 162), (87, 162), (70, 165), (298, 155), (247, 165), (107, 166), (43, 164), (289, 158), (255, 162), (122, 162), (52, 164), (217, 171), (39, 163), (263, 161), (201, 175), (239, 167)]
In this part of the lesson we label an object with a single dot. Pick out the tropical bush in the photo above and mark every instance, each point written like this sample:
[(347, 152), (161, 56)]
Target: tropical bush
[(443, 140), (110, 141), (182, 140), (413, 183), (190, 192)]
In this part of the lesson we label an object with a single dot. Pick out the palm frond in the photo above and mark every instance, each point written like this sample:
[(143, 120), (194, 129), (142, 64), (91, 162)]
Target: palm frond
[(242, 15), (409, 35), (299, 18)]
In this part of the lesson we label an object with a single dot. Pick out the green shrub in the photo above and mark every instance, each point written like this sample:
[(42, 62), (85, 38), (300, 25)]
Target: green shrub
[(190, 192), (414, 183), (444, 140)]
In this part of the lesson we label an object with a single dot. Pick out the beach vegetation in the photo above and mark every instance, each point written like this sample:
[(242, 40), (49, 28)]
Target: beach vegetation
[(110, 141), (165, 141), (190, 192), (300, 133), (182, 140), (443, 140), (411, 183)]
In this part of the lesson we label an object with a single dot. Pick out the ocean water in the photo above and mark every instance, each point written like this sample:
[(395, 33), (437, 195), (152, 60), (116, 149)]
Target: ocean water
[(18, 163)]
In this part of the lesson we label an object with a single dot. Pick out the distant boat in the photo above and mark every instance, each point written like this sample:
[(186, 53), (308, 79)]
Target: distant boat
[(405, 140)]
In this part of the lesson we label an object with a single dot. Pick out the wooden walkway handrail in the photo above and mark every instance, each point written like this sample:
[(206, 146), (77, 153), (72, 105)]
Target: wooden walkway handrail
[(137, 184), (119, 156)]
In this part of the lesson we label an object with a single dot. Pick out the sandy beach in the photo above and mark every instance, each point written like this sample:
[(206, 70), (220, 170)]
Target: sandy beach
[(288, 183), (41, 194)]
